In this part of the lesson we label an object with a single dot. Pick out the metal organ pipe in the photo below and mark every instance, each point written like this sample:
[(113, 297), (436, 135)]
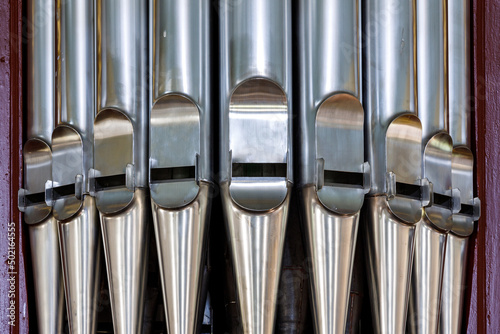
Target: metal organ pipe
[(431, 233), (72, 158), (331, 123), (393, 140), (459, 93), (181, 154), (255, 149), (47, 274), (119, 179)]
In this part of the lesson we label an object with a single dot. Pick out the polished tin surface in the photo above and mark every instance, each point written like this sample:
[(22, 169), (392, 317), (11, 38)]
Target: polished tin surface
[(333, 175), (256, 240), (80, 240), (126, 242), (181, 236), (389, 252), (119, 179), (256, 149), (181, 155), (331, 244), (47, 274)]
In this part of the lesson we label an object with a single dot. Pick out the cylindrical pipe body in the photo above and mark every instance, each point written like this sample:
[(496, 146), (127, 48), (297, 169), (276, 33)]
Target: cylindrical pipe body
[(389, 82), (459, 71)]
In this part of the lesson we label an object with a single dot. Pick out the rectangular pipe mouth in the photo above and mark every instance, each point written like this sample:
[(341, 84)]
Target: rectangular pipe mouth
[(339, 178), (63, 191), (259, 170), (34, 199), (160, 175), (109, 182), (467, 209), (443, 201), (412, 191)]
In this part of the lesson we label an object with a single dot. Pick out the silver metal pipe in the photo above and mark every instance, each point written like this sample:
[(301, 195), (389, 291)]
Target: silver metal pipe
[(44, 243), (120, 175), (460, 95), (393, 140), (432, 230), (255, 149), (331, 121), (180, 154), (459, 71), (72, 158)]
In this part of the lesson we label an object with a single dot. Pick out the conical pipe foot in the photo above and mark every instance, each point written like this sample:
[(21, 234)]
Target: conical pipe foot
[(126, 241), (331, 244), (256, 240), (80, 239), (181, 242), (47, 274), (389, 259)]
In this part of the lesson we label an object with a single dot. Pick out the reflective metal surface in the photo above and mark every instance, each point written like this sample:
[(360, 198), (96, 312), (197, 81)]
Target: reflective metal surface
[(454, 285), (255, 149), (389, 252), (122, 47), (49, 287), (388, 89), (80, 240), (256, 240), (459, 71), (37, 155), (425, 296), (431, 233), (331, 242), (72, 158), (180, 154), (126, 240), (37, 169), (72, 140), (463, 179), (258, 134), (41, 69), (333, 175), (247, 51), (181, 236), (119, 179), (460, 104)]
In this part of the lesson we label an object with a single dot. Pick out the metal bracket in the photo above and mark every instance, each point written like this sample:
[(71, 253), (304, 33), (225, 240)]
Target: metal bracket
[(93, 174), (130, 177), (320, 173), (49, 193), (390, 185), (21, 199), (79, 187), (456, 202), (427, 192), (476, 208), (367, 179)]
